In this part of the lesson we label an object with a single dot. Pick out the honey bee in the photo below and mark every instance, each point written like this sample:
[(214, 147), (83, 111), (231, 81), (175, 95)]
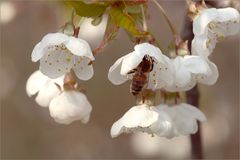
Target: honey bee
[(140, 75)]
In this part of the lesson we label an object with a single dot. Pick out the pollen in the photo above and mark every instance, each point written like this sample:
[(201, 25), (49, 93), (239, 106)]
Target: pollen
[(68, 59)]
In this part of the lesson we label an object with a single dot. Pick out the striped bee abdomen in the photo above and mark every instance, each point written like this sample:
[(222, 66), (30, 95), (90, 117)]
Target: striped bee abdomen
[(138, 81)]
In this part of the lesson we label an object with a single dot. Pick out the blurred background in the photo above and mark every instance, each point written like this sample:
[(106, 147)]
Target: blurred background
[(28, 131)]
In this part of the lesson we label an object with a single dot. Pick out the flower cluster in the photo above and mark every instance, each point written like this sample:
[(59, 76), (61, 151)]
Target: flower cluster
[(177, 74), (59, 54), (163, 120), (63, 55), (65, 106), (212, 25)]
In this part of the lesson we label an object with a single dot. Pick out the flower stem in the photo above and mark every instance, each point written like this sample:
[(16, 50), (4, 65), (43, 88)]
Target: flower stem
[(173, 30), (72, 17), (145, 28)]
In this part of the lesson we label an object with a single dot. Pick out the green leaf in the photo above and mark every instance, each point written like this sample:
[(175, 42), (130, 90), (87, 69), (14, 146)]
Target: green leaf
[(125, 21), (133, 9), (88, 10), (97, 20)]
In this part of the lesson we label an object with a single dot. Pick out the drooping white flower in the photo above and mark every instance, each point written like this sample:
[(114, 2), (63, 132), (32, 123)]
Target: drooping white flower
[(210, 26), (158, 77), (163, 120), (59, 53), (70, 106), (192, 69), (43, 86), (139, 118), (183, 120)]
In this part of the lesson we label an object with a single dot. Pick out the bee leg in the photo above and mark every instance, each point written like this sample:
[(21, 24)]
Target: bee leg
[(132, 71), (143, 97)]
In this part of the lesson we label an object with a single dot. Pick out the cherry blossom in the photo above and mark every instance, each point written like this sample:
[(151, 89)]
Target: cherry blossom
[(192, 69), (70, 106), (163, 120), (159, 76), (43, 86), (212, 25), (59, 53), (183, 120)]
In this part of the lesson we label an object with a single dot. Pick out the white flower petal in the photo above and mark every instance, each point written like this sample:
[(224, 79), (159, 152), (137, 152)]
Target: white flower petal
[(79, 47), (164, 126), (193, 112), (37, 53), (47, 93), (35, 82), (227, 14), (176, 88), (210, 77), (44, 87), (56, 63), (149, 49), (183, 118), (195, 64), (70, 106), (161, 75), (53, 39), (130, 62), (137, 117), (202, 20), (202, 46), (114, 72), (186, 118), (48, 40), (228, 18), (183, 76), (81, 68)]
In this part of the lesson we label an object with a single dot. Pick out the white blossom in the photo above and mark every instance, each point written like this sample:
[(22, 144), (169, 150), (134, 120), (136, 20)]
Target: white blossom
[(138, 118), (43, 86), (212, 25), (163, 120), (183, 120), (59, 53), (158, 77), (192, 69), (70, 106)]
